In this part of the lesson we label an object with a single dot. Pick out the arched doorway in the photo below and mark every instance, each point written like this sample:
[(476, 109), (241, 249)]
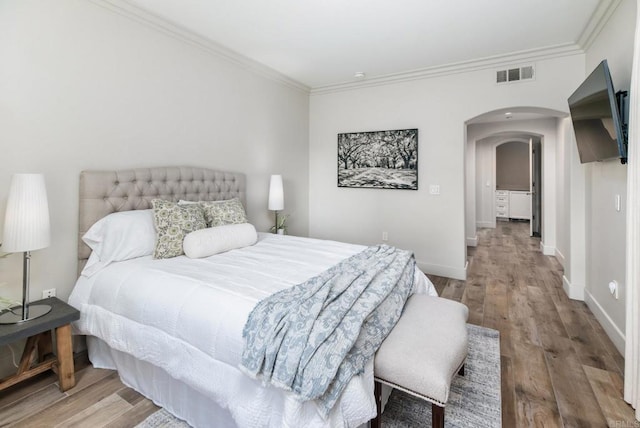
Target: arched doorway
[(500, 126)]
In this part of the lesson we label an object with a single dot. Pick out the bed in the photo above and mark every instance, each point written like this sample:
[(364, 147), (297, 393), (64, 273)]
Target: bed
[(172, 328)]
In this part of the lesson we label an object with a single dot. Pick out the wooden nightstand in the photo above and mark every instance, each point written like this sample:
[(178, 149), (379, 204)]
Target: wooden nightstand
[(38, 335)]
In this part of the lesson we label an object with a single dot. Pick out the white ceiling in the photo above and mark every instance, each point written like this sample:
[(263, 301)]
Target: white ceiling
[(324, 42)]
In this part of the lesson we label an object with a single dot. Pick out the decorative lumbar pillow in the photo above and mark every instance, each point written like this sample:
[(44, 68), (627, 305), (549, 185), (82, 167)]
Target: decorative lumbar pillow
[(173, 223), (222, 213), (215, 240), (119, 236)]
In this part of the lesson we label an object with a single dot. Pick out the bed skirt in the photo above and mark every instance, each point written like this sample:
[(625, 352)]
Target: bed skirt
[(157, 385), (165, 391)]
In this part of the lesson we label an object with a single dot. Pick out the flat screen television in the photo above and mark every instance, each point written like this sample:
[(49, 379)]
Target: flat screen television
[(599, 127)]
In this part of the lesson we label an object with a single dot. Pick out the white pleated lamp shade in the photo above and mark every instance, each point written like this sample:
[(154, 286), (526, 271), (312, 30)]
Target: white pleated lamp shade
[(26, 223), (276, 193)]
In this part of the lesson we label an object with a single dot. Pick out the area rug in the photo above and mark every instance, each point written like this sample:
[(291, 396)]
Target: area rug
[(162, 419), (474, 399)]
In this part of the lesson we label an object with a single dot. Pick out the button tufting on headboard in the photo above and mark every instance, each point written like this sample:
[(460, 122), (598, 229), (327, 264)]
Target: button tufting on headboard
[(104, 192)]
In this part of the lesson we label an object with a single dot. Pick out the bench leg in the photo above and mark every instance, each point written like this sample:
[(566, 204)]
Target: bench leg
[(461, 371), (437, 416), (377, 392)]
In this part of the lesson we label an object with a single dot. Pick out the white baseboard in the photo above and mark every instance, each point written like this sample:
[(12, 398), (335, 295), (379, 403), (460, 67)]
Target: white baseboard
[(560, 257), (446, 271), (472, 242), (489, 224), (573, 291), (547, 250), (612, 330)]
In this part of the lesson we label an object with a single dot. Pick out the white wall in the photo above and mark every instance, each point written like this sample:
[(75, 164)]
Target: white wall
[(563, 131), (432, 226), (605, 227), (512, 166), (576, 266), (84, 88), (484, 178), (470, 193)]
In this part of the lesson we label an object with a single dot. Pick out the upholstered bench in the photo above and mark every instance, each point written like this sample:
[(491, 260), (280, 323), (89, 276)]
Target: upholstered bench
[(423, 353)]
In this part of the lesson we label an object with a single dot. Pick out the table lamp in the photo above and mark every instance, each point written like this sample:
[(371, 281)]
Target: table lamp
[(26, 229), (276, 196)]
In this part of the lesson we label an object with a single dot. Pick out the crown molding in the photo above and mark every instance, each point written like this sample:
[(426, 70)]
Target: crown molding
[(495, 61), (596, 23), (599, 18), (144, 17)]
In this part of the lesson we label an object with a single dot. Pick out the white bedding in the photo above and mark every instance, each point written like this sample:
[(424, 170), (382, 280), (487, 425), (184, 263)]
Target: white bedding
[(186, 316)]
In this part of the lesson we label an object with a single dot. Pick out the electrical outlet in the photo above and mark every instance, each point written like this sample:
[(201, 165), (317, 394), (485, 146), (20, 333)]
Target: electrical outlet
[(385, 236), (49, 293)]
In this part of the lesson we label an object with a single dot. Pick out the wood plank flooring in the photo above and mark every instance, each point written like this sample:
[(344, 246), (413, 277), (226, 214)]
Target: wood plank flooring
[(559, 368), (99, 399)]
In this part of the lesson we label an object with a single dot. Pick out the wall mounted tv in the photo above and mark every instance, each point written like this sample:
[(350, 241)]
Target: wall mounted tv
[(599, 118)]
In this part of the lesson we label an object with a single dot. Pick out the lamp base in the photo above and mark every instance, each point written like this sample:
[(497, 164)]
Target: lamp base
[(14, 315)]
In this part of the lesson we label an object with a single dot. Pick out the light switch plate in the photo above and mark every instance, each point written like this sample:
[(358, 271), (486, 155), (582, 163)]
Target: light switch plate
[(434, 189)]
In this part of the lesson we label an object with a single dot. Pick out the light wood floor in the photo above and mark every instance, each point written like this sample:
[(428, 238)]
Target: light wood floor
[(559, 368)]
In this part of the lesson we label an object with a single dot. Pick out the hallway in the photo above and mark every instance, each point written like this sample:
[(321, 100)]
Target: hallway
[(559, 368)]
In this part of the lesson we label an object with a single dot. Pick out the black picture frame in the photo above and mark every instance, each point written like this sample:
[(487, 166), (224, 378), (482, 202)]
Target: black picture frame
[(378, 159)]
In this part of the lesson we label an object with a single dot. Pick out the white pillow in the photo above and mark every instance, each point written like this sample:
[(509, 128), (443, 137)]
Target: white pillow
[(119, 236), (215, 240)]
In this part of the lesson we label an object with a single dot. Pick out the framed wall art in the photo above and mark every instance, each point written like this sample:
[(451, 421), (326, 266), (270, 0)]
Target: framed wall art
[(378, 159)]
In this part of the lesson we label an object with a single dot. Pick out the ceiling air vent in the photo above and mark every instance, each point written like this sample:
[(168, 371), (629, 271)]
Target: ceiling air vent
[(514, 74), (526, 72)]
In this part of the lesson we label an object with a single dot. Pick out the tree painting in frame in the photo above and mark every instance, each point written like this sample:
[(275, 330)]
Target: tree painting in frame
[(378, 159)]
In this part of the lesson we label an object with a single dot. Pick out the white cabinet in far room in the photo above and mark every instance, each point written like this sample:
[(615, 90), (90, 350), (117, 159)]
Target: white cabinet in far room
[(513, 204), (519, 205)]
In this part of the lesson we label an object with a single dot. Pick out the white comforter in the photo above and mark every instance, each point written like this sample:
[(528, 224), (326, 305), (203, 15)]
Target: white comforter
[(187, 315)]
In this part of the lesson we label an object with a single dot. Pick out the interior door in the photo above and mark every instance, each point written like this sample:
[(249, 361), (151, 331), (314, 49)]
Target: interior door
[(531, 186), (535, 186)]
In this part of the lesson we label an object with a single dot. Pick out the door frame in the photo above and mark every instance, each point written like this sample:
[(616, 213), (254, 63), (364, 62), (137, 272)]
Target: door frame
[(525, 138)]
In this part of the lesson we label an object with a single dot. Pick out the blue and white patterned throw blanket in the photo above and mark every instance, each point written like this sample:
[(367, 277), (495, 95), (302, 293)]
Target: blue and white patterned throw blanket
[(313, 338)]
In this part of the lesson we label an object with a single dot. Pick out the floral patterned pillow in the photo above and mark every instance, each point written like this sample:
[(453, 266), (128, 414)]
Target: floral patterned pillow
[(173, 223), (222, 213)]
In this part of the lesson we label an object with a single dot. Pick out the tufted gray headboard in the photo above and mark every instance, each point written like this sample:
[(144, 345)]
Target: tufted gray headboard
[(106, 192)]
